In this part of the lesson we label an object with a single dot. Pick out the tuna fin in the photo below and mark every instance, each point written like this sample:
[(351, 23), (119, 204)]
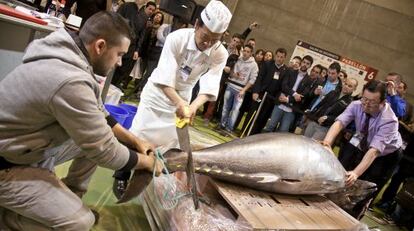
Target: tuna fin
[(265, 177), (175, 160), (139, 181)]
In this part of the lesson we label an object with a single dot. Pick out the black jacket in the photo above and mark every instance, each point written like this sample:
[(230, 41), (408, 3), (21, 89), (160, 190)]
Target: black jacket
[(304, 88), (331, 106), (265, 81), (137, 20), (312, 95)]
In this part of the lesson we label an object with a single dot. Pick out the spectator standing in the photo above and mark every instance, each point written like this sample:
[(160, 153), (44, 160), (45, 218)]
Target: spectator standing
[(241, 79), (137, 20)]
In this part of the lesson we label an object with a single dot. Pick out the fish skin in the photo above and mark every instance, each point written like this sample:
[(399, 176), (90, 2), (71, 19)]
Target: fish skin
[(270, 163), (139, 181), (274, 162)]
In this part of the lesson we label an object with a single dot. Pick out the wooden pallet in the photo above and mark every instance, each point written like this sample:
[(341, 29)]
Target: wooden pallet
[(275, 211), (262, 210)]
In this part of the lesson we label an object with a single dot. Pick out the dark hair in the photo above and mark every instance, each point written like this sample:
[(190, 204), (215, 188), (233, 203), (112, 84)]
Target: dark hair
[(309, 58), (151, 3), (162, 17), (320, 67), (109, 26), (200, 22), (375, 86), (345, 74), (399, 77), (248, 46), (239, 36), (270, 53), (258, 51), (298, 57), (251, 39), (335, 66), (404, 85), (281, 50)]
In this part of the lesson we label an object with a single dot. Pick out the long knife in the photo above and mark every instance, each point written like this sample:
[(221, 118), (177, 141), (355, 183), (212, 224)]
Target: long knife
[(184, 141)]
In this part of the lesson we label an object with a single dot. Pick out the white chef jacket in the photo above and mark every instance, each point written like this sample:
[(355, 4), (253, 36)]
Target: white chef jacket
[(155, 116), (180, 50)]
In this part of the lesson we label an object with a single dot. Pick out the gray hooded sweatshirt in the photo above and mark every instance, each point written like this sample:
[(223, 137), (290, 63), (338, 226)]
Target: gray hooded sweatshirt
[(247, 70), (50, 98)]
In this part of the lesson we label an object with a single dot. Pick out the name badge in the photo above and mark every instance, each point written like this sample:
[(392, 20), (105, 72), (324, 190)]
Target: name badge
[(276, 75), (356, 139), (185, 72)]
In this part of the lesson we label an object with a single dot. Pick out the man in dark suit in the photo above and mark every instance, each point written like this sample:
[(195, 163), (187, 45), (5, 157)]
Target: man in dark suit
[(137, 19), (269, 80), (294, 88), (325, 113)]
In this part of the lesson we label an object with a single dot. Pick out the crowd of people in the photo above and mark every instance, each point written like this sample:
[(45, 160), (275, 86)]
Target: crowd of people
[(320, 102), (316, 101)]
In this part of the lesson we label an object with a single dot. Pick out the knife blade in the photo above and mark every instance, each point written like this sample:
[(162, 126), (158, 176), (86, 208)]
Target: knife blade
[(184, 141)]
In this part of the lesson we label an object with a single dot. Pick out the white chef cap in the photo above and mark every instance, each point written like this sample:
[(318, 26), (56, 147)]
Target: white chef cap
[(216, 16)]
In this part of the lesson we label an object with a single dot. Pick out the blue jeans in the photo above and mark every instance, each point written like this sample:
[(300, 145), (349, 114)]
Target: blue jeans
[(231, 106), (279, 116)]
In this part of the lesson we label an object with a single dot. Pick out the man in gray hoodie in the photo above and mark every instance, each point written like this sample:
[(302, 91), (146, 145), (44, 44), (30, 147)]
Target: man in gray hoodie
[(242, 77), (51, 112)]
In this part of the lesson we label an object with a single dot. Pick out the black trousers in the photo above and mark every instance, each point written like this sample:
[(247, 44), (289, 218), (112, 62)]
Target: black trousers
[(405, 170), (263, 115), (122, 73), (379, 172)]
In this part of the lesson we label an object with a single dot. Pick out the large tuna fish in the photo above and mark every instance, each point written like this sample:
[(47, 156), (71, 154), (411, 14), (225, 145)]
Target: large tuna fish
[(273, 162)]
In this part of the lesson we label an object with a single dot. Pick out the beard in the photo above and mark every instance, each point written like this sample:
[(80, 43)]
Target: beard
[(101, 68)]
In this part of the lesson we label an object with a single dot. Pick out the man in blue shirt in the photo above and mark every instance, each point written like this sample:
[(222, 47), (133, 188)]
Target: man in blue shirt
[(331, 83), (398, 104)]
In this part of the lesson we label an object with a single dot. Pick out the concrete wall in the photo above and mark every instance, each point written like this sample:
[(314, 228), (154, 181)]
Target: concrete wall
[(378, 33)]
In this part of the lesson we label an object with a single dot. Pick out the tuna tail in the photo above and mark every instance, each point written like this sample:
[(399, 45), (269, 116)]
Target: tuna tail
[(175, 160), (139, 181)]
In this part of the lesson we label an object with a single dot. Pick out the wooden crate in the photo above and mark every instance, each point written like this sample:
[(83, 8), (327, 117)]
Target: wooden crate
[(261, 210), (265, 211)]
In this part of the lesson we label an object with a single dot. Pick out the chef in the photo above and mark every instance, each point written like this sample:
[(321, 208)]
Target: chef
[(189, 55)]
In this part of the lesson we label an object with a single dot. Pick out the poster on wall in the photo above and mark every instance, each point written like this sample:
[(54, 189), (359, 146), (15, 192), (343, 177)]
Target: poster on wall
[(354, 69)]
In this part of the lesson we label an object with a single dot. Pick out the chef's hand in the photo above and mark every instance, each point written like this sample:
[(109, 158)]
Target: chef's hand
[(135, 56), (144, 146), (183, 110), (227, 69), (351, 177), (192, 113), (149, 163)]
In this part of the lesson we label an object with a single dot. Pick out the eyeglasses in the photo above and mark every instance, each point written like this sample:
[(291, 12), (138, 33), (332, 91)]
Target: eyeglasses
[(205, 38), (364, 100)]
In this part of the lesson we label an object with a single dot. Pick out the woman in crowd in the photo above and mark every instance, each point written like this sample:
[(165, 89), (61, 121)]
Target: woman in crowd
[(268, 56), (151, 52)]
